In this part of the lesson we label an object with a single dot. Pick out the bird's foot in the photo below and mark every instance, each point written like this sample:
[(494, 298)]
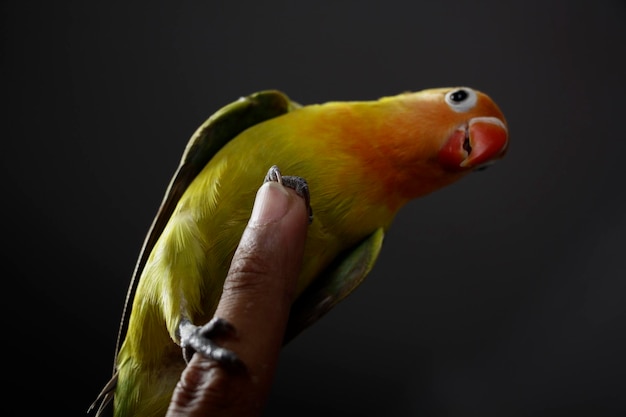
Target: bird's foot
[(298, 184), (200, 339)]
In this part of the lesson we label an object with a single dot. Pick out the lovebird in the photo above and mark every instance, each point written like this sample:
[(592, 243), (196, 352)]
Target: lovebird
[(357, 162)]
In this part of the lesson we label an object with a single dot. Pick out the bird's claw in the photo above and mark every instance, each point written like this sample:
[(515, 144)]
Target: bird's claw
[(200, 339), (298, 184)]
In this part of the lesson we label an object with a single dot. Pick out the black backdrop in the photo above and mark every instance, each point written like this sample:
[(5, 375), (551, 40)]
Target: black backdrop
[(502, 295)]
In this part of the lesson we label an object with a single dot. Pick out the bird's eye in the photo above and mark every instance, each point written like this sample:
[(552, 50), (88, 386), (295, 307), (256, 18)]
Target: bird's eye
[(461, 99)]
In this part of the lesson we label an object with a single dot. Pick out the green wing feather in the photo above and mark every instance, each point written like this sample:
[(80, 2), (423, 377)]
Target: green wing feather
[(338, 280), (208, 139)]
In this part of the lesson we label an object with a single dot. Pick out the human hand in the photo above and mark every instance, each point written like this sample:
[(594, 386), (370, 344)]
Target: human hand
[(257, 296)]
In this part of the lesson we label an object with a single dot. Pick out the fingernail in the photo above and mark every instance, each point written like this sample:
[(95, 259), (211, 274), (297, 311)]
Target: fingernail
[(271, 203)]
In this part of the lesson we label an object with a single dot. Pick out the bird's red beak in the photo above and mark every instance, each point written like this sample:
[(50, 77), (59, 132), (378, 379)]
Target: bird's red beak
[(475, 144)]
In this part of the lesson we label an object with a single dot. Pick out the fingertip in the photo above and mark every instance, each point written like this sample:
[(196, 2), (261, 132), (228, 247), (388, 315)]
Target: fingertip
[(271, 204)]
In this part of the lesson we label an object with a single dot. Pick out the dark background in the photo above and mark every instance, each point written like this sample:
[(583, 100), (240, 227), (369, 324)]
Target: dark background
[(502, 295)]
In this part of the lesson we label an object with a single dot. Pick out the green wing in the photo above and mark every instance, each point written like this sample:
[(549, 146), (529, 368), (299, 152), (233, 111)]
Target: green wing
[(341, 278), (210, 137)]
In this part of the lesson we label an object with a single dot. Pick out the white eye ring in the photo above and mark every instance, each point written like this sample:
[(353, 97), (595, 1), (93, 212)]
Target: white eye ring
[(461, 99)]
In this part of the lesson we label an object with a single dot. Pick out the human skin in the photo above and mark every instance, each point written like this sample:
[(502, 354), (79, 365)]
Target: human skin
[(256, 299)]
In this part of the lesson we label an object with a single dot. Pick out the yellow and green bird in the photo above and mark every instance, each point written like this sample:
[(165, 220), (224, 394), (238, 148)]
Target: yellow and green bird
[(362, 162)]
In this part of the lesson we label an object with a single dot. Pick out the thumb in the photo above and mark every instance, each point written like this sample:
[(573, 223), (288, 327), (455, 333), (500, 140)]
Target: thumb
[(256, 299), (269, 257)]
